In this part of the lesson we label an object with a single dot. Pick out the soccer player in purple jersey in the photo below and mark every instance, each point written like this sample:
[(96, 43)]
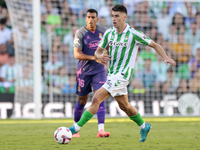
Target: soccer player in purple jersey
[(90, 73)]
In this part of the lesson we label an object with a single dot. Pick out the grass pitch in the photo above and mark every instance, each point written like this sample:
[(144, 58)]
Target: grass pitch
[(166, 134)]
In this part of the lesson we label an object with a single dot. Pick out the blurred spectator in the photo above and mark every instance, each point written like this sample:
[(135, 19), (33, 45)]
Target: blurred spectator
[(52, 17), (52, 66), (144, 22), (44, 36), (194, 82), (45, 8), (8, 22), (172, 34), (160, 68), (153, 34), (172, 82), (74, 20), (5, 32), (147, 76), (102, 21), (8, 74), (181, 50), (139, 64), (97, 5), (160, 39), (194, 63), (166, 47), (197, 17), (60, 80), (71, 86), (10, 46), (136, 86), (63, 29), (183, 86), (65, 11), (131, 6), (148, 53), (190, 17), (157, 8), (3, 55), (106, 12), (192, 36), (56, 44), (67, 57), (25, 83), (69, 38), (163, 21), (177, 7), (178, 21), (77, 7)]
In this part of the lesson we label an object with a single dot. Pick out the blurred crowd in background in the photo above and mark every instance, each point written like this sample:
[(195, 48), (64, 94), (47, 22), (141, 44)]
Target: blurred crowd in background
[(173, 25)]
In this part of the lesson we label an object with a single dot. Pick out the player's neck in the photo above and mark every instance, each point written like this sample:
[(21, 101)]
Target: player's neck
[(121, 28), (92, 29)]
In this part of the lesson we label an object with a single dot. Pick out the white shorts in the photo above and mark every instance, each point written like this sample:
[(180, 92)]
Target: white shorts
[(116, 85)]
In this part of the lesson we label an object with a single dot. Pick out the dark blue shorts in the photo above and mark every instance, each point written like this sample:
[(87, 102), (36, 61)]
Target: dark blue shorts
[(87, 83)]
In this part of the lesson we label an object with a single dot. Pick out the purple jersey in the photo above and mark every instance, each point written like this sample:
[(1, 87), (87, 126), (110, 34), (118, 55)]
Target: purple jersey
[(88, 41)]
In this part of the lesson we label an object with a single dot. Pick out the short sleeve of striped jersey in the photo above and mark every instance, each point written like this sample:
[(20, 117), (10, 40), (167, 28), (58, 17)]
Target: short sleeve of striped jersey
[(78, 40), (104, 41), (141, 38)]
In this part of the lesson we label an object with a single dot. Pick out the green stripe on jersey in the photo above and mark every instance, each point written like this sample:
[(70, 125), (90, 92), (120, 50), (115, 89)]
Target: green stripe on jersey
[(140, 39), (129, 54), (122, 53), (105, 42), (131, 74), (115, 53), (110, 52), (126, 74)]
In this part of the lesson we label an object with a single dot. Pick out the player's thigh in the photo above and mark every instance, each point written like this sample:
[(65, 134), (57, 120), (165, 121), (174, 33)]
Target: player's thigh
[(122, 100), (98, 80), (83, 85), (100, 95)]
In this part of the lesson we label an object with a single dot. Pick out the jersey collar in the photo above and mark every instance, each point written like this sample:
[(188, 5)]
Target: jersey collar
[(125, 30)]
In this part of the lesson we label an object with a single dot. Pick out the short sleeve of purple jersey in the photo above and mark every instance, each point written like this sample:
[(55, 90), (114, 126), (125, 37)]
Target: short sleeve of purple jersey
[(78, 39)]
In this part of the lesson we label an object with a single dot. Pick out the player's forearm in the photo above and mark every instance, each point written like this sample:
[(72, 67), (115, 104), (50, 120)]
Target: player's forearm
[(84, 57), (98, 52), (159, 50)]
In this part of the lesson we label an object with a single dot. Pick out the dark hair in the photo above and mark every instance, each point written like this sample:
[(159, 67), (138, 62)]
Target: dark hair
[(11, 55), (92, 11), (170, 69), (3, 20), (120, 8), (197, 13), (173, 19)]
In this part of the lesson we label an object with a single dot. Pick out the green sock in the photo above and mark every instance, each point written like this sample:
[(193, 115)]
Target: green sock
[(138, 119), (85, 118)]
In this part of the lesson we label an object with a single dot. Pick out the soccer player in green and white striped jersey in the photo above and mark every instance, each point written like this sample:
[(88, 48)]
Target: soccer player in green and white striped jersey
[(122, 41)]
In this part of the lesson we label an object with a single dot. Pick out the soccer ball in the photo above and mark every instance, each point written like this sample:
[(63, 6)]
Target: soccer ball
[(63, 135)]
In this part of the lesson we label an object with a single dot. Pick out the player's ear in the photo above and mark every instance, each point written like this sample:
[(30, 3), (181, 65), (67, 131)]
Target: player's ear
[(125, 17), (97, 19)]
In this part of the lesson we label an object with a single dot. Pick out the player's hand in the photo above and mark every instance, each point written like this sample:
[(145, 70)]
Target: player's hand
[(169, 60), (104, 58)]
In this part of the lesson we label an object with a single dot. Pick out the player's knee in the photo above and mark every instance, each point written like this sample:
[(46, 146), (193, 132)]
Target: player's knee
[(82, 101), (124, 107), (95, 100)]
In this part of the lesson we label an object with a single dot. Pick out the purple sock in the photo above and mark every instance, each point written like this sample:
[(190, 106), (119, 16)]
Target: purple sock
[(78, 111), (101, 113)]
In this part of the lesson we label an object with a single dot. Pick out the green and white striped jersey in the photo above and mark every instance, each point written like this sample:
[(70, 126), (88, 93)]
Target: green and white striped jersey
[(123, 49)]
